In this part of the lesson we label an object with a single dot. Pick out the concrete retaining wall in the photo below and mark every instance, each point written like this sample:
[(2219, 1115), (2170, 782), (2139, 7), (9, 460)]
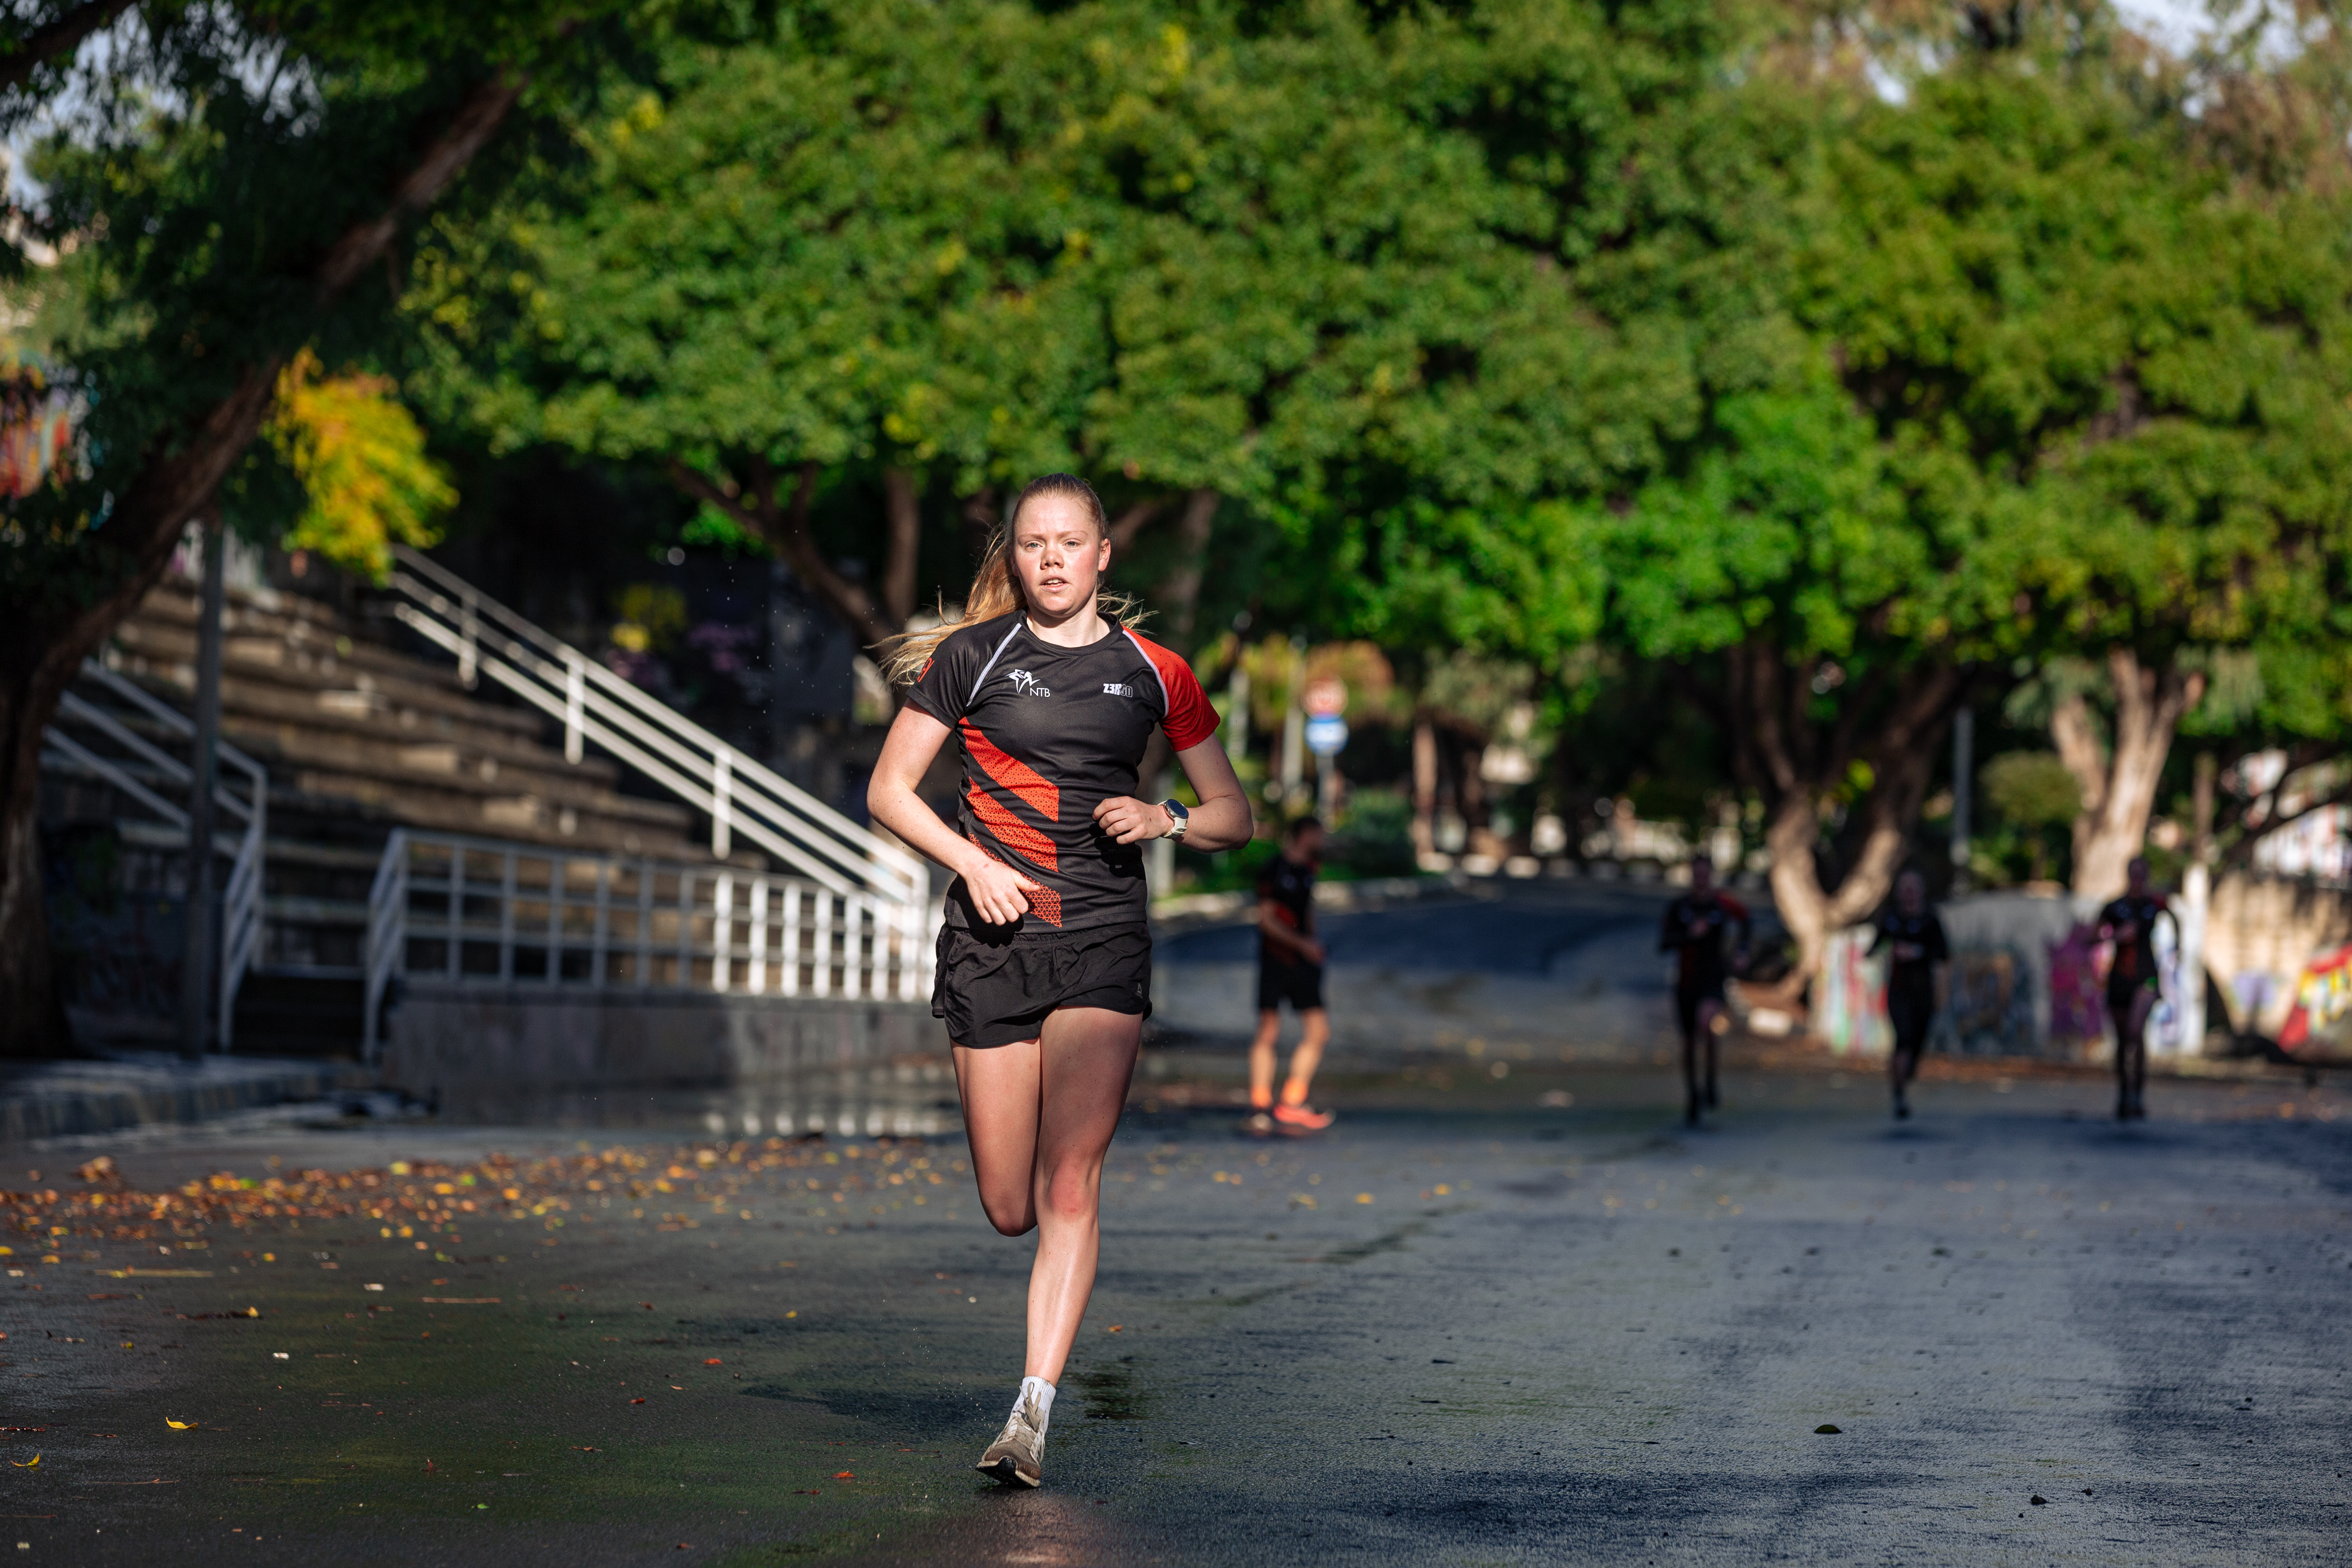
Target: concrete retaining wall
[(467, 1043)]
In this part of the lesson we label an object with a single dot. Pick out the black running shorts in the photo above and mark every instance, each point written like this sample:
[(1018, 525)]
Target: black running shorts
[(1300, 984), (996, 990), (1688, 997)]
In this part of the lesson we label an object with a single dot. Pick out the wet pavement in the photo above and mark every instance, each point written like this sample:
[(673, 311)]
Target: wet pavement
[(1515, 1319)]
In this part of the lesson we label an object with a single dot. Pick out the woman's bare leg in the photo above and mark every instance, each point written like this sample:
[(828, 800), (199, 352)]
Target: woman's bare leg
[(1000, 1090), (1088, 1059), (2143, 1002), (1040, 1116)]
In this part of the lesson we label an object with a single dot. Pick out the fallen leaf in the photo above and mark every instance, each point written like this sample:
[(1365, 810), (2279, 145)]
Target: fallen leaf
[(639, 1400), (579, 1448), (1114, 1328), (28, 1464), (1826, 1427), (680, 1386), (179, 1426), (714, 1361), (843, 1475)]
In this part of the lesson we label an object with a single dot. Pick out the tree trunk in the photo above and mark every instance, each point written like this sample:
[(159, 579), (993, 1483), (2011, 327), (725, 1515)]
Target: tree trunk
[(43, 644), (904, 519), (2119, 781), (1805, 767), (1424, 790), (1182, 592)]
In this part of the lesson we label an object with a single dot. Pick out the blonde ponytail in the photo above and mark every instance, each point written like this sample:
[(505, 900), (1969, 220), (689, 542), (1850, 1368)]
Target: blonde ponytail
[(997, 592)]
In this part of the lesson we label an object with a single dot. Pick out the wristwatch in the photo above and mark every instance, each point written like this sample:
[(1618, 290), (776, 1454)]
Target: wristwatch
[(1178, 819)]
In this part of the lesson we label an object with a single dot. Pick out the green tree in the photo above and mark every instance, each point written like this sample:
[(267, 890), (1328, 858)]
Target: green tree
[(2113, 334), (231, 178)]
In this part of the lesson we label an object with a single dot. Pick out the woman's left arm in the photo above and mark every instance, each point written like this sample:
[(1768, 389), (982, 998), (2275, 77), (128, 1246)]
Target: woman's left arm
[(1220, 821)]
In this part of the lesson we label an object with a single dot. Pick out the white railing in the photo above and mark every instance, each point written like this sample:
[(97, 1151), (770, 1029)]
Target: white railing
[(240, 932), (742, 798), (480, 912)]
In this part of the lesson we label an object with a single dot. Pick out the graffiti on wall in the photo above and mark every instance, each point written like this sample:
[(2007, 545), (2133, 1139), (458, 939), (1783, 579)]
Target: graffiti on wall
[(2321, 1017)]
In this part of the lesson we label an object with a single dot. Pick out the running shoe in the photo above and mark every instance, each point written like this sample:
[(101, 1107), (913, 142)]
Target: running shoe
[(1017, 1458), (1303, 1118), (1902, 1107)]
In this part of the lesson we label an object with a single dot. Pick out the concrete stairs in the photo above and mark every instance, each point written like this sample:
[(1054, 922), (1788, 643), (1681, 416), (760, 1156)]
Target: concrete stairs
[(359, 737)]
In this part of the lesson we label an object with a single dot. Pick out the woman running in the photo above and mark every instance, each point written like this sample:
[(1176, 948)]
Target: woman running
[(1693, 931), (1044, 964), (1917, 956), (2133, 983)]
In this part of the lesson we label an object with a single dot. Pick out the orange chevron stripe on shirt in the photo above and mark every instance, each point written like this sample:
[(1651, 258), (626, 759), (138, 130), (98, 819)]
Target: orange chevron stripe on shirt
[(1010, 831), (1036, 791)]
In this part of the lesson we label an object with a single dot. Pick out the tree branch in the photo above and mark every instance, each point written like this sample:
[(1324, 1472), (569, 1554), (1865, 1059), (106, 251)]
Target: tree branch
[(468, 132), (1132, 521), (60, 36), (2239, 855), (786, 530)]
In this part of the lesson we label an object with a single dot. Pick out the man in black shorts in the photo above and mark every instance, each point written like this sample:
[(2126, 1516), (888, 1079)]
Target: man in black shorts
[(2130, 922), (1693, 931), (1289, 969), (1917, 956)]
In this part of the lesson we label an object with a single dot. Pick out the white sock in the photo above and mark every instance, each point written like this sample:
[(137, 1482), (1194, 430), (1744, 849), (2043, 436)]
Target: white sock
[(1036, 1400)]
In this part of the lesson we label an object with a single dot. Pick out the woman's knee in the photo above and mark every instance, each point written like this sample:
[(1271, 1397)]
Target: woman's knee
[(1070, 1192)]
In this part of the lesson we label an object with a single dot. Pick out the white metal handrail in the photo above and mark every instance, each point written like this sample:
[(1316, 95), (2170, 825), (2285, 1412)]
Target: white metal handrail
[(240, 937), (594, 705), (488, 912)]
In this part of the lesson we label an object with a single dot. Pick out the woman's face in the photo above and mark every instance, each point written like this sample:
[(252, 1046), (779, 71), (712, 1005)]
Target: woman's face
[(1059, 554)]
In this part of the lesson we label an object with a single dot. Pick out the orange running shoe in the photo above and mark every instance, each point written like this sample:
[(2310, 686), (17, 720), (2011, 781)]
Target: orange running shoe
[(1305, 1118)]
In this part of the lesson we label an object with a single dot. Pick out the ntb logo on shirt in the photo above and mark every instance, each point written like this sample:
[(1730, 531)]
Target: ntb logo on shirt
[(1026, 684)]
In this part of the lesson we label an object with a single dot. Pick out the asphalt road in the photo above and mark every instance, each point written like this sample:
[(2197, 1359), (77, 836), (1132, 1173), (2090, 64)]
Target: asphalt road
[(1517, 928), (1486, 1330)]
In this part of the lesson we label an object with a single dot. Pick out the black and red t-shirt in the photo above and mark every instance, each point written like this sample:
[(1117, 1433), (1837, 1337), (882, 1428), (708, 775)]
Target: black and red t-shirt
[(1693, 930), (1289, 886), (1048, 734), (2130, 923)]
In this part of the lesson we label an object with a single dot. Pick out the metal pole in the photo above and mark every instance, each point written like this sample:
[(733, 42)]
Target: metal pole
[(1964, 735), (196, 937)]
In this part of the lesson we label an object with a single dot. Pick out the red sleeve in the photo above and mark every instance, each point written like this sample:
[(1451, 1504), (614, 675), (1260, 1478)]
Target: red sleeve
[(1190, 719), (1739, 910)]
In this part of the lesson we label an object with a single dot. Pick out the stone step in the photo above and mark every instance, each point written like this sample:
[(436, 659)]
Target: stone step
[(302, 687)]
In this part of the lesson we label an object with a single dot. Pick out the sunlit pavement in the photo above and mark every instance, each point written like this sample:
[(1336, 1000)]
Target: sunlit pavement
[(1488, 1330)]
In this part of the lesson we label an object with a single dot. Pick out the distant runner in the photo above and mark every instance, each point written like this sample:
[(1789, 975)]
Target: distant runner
[(2130, 922), (1045, 960), (1918, 958), (1692, 929), (1289, 969)]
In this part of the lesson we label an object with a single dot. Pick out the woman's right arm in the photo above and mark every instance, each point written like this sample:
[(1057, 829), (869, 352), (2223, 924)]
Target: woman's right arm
[(890, 799)]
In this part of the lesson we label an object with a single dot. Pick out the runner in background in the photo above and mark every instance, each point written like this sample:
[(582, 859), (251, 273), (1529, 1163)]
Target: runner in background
[(1289, 969), (2130, 922), (1918, 960), (1693, 930)]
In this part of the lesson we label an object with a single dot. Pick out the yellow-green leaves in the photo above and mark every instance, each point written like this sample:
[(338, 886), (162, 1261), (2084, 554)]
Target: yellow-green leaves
[(360, 457)]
